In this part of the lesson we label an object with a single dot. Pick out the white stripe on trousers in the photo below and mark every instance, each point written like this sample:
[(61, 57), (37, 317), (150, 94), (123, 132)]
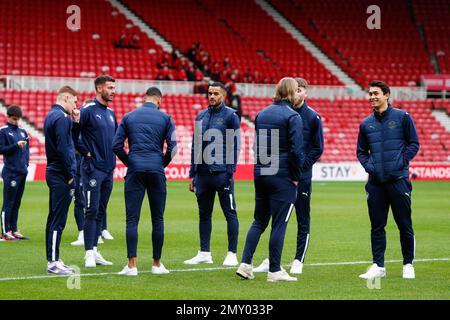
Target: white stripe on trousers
[(54, 238), (3, 222), (88, 199), (231, 201), (306, 248), (289, 212)]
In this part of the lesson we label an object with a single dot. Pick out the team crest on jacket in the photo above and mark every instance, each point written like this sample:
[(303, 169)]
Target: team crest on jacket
[(92, 182), (392, 124), (13, 183), (220, 121)]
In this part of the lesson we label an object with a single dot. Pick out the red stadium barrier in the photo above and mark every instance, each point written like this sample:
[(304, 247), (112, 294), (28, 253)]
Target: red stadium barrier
[(348, 171)]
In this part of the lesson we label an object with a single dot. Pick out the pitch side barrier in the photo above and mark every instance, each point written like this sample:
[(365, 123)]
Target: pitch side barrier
[(343, 171)]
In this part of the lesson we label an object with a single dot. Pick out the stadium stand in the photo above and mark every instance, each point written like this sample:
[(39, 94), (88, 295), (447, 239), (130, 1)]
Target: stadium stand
[(239, 29), (395, 53)]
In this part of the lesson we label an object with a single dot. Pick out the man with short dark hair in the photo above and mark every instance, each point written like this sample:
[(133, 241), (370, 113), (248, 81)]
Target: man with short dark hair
[(16, 155), (97, 129), (387, 142), (146, 129), (214, 157), (59, 174)]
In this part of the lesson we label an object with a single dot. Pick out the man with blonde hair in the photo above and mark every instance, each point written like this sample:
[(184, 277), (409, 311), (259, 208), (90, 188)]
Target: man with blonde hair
[(278, 169), (60, 173)]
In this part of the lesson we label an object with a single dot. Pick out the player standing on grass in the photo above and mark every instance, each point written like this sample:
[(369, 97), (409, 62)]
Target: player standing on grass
[(59, 174), (313, 145), (278, 169), (387, 142), (146, 130), (16, 155), (214, 157), (97, 129)]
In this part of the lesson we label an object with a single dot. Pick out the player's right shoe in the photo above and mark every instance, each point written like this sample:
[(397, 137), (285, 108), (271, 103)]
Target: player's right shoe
[(106, 235), (19, 236), (245, 271), (100, 260), (374, 272), (297, 267), (231, 259), (57, 267), (89, 259), (80, 240), (127, 271), (201, 257), (8, 236), (160, 270), (408, 271), (281, 275), (263, 267)]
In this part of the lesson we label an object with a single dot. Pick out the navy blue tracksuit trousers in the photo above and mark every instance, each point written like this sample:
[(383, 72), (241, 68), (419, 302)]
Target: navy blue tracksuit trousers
[(136, 184), (302, 210), (206, 187), (274, 198), (13, 188), (60, 197), (380, 197), (97, 188)]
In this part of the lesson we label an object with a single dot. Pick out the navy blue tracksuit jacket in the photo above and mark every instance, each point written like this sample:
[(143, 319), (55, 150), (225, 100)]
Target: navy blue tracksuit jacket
[(313, 145), (14, 173), (97, 129), (279, 138), (387, 142), (146, 129), (61, 168), (213, 163)]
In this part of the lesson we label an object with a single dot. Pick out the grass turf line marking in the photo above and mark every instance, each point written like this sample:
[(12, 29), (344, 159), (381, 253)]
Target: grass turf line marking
[(319, 264)]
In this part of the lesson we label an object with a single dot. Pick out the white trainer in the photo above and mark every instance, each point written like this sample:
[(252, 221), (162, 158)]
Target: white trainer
[(297, 267), (106, 235), (374, 272), (160, 270), (201, 257), (100, 240), (56, 267), (80, 240), (281, 275), (100, 260), (408, 271), (263, 267), (126, 271), (245, 271), (89, 259), (231, 259)]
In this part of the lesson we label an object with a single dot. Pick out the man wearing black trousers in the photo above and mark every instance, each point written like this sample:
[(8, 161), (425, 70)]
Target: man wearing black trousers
[(60, 174), (16, 155), (387, 142), (147, 129), (97, 129), (278, 169), (214, 155), (313, 145)]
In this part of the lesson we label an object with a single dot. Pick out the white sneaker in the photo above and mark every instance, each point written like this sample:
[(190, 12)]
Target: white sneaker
[(245, 271), (231, 259), (65, 266), (126, 271), (89, 259), (100, 240), (201, 257), (80, 240), (100, 260), (160, 270), (281, 275), (263, 267), (56, 267), (297, 267), (106, 235), (374, 272), (408, 271)]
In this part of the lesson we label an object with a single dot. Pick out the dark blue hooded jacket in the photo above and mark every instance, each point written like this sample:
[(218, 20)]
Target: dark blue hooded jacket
[(287, 158), (386, 145), (146, 129), (15, 159)]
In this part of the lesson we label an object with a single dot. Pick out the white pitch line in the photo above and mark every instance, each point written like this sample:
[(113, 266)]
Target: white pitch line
[(319, 264)]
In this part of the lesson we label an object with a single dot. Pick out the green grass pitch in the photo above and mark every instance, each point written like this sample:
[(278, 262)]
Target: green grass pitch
[(340, 232)]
